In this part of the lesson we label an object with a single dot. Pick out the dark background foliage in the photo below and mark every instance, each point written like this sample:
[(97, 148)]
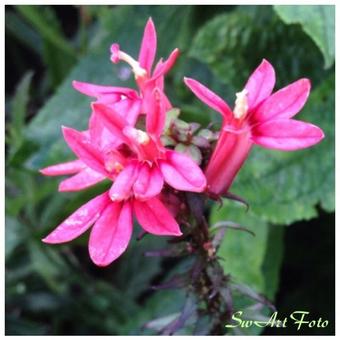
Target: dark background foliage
[(56, 289)]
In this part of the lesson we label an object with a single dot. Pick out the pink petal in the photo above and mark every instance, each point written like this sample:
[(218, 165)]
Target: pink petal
[(60, 169), (122, 186), (155, 118), (148, 46), (286, 134), (153, 216), (111, 119), (100, 136), (159, 82), (149, 182), (84, 179), (284, 103), (97, 91), (79, 221), (84, 149), (111, 233), (129, 109), (182, 173), (164, 67), (260, 84), (209, 98)]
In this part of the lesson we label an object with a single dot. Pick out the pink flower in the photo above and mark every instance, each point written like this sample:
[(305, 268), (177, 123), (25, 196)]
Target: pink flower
[(112, 219), (138, 165), (142, 69), (112, 225), (149, 163), (259, 117)]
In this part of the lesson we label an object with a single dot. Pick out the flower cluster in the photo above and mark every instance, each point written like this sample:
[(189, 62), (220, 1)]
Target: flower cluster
[(142, 169)]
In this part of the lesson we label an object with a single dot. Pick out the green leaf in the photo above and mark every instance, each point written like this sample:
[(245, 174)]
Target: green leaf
[(49, 264), (233, 45), (33, 15), (19, 110), (58, 62), (23, 32), (318, 22), (242, 253), (251, 260), (13, 236)]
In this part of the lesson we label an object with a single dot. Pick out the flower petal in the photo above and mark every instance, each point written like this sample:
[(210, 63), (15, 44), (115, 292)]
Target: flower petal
[(129, 109), (182, 173), (148, 46), (111, 233), (79, 221), (153, 216), (98, 91), (84, 179), (209, 98), (149, 182), (113, 121), (67, 168), (122, 186), (82, 146), (164, 67), (284, 103), (260, 84), (286, 134), (155, 118)]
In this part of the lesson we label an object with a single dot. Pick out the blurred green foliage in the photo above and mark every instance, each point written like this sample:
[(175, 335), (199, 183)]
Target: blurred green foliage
[(56, 289)]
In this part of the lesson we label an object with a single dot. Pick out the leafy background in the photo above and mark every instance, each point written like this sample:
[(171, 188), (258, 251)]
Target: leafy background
[(56, 289)]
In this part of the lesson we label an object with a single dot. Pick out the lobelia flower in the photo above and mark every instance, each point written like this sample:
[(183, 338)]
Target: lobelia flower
[(149, 163), (259, 117), (142, 69), (123, 100), (138, 165)]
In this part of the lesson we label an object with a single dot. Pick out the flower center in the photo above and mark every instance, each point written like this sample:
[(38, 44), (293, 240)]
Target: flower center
[(117, 55), (241, 104), (137, 135)]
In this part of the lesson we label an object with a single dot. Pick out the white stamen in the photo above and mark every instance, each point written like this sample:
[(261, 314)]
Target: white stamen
[(139, 71), (241, 104)]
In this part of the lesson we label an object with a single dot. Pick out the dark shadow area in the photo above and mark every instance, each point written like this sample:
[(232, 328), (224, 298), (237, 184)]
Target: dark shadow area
[(307, 280)]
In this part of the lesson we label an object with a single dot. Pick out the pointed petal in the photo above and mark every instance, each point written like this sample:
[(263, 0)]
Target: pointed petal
[(284, 103), (149, 182), (155, 118), (81, 145), (84, 179), (67, 168), (153, 216), (122, 186), (260, 84), (148, 46), (182, 173), (113, 121), (209, 98), (286, 134), (164, 67), (79, 221), (111, 233), (97, 91)]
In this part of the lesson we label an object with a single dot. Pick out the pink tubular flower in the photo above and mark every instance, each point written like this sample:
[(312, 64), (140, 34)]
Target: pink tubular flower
[(112, 225), (259, 117), (149, 162), (142, 69), (112, 219), (138, 165)]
